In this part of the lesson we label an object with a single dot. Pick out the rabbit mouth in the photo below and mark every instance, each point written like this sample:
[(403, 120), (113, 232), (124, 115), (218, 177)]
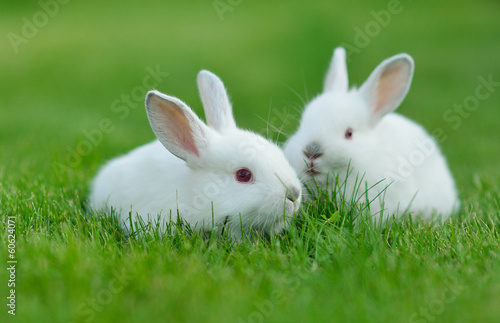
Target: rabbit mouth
[(312, 170), (291, 207)]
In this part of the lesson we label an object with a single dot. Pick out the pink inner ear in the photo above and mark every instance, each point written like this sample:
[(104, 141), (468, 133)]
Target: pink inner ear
[(179, 127), (184, 136), (390, 86)]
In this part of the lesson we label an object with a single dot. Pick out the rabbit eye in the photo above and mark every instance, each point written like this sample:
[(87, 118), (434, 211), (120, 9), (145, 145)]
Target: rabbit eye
[(348, 133), (244, 175)]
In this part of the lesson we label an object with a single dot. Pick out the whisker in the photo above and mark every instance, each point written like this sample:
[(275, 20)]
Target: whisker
[(297, 94)]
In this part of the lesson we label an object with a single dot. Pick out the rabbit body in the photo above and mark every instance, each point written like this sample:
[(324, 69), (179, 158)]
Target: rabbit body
[(378, 155), (215, 175)]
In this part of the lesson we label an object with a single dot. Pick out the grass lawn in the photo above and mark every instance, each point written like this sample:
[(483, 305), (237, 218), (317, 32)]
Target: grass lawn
[(73, 77)]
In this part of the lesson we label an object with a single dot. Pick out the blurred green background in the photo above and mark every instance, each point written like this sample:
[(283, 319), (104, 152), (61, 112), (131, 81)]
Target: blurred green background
[(270, 54), (62, 79)]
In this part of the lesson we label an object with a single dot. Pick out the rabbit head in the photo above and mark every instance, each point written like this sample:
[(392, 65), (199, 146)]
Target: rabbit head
[(337, 127), (232, 175)]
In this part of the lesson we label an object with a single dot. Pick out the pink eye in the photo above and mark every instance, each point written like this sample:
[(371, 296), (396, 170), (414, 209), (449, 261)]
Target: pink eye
[(348, 133), (244, 175)]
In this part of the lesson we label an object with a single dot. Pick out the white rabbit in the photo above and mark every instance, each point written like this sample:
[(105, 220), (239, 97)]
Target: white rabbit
[(357, 129), (215, 175)]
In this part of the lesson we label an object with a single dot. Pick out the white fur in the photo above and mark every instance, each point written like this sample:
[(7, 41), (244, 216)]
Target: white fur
[(384, 146), (195, 174)]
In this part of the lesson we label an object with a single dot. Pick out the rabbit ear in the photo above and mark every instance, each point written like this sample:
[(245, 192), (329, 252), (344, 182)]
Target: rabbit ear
[(176, 125), (387, 86), (218, 110), (336, 78)]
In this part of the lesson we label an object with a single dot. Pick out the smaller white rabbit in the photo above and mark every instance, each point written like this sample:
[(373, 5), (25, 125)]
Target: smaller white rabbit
[(215, 175), (357, 129)]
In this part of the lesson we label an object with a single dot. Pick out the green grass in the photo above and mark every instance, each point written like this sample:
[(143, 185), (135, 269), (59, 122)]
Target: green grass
[(270, 55)]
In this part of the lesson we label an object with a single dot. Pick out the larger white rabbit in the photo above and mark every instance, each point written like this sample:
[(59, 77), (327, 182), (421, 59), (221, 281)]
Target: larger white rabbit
[(357, 129), (211, 175)]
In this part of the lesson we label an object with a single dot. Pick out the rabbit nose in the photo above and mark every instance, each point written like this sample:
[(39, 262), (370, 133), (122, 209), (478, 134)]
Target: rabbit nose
[(293, 193), (313, 151)]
